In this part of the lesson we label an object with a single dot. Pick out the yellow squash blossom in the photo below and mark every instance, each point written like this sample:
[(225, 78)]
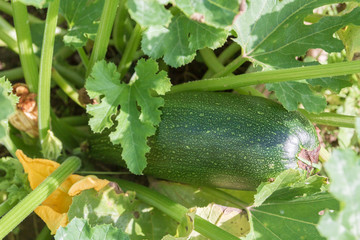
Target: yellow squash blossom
[(53, 211)]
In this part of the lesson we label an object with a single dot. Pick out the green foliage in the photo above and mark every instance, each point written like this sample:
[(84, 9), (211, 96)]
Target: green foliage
[(149, 12), (287, 185), (261, 30), (202, 24), (52, 146), (133, 126), (289, 207), (343, 169), (7, 105), (123, 211), (179, 42), (13, 180), (79, 229), (82, 17), (216, 13)]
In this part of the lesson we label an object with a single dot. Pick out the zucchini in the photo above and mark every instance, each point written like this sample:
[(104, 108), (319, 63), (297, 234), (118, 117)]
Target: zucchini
[(220, 140)]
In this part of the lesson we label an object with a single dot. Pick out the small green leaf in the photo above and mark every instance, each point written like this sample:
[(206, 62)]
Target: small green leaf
[(134, 126), (79, 229), (82, 17), (13, 180), (179, 42), (148, 12), (7, 99), (52, 146), (343, 169)]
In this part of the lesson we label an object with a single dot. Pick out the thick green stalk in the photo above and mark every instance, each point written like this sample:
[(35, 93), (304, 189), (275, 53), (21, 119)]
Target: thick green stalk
[(17, 214), (45, 69), (119, 27), (211, 60), (44, 234), (330, 119), (7, 33), (12, 74), (103, 33), (218, 194), (66, 87), (70, 74), (273, 76), (174, 210), (26, 53), (130, 51), (224, 56), (236, 63), (216, 66), (6, 8)]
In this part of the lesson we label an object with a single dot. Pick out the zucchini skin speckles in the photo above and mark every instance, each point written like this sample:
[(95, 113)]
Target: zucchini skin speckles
[(222, 140)]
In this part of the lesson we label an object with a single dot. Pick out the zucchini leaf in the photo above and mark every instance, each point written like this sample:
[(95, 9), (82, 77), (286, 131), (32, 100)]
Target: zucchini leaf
[(133, 127), (216, 13), (82, 17), (79, 229), (343, 169), (149, 12), (269, 30), (7, 105), (176, 35), (289, 207), (123, 211)]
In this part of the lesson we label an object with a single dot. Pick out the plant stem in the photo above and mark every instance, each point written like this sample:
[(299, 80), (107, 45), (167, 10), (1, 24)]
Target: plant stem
[(17, 214), (174, 210), (130, 50), (6, 8), (45, 69), (119, 27), (83, 56), (26, 53), (225, 196), (216, 66), (211, 60), (330, 119), (273, 76), (66, 87), (224, 56), (103, 33), (70, 74), (12, 74), (236, 63), (5, 35)]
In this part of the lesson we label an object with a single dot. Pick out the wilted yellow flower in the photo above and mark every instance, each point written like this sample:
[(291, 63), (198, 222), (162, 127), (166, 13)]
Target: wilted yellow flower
[(53, 211)]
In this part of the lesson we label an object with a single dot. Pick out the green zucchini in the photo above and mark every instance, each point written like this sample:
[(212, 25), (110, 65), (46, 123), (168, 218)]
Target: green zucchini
[(221, 140)]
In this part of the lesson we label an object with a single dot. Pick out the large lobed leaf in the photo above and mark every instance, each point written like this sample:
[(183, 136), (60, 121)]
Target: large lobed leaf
[(133, 126), (82, 17), (289, 207), (176, 37), (273, 33), (343, 169)]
